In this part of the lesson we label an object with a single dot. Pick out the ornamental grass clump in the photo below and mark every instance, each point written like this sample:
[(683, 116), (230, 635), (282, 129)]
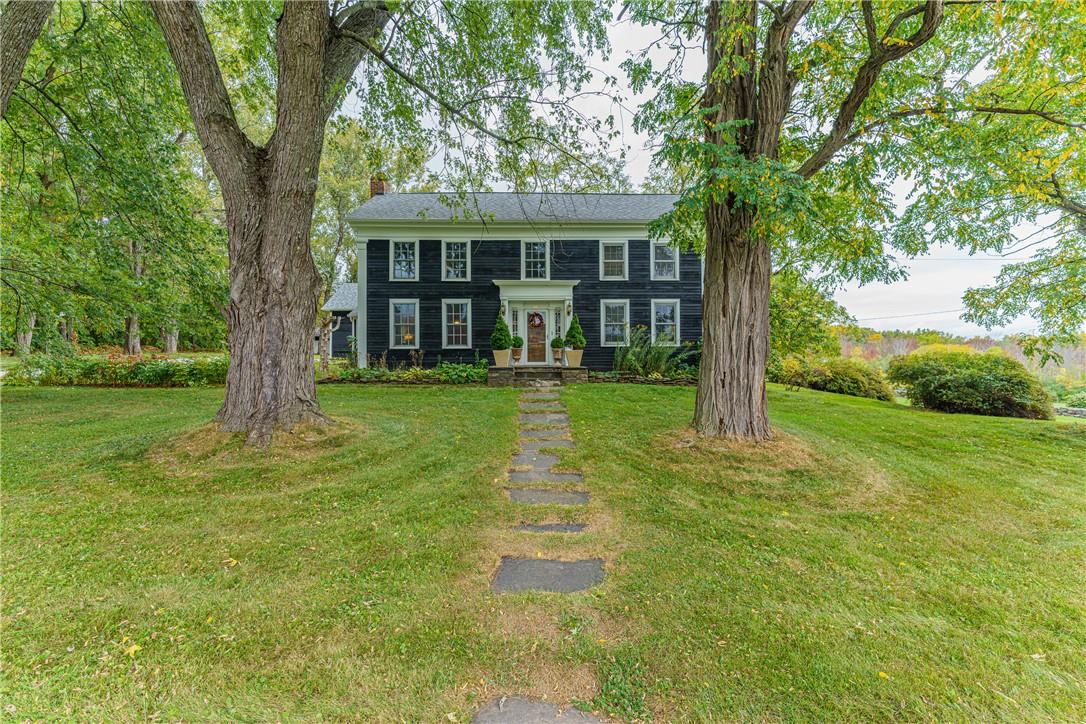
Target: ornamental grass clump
[(967, 382), (642, 356)]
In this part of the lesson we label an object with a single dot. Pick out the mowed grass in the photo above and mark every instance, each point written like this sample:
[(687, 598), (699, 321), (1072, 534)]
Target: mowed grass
[(874, 562)]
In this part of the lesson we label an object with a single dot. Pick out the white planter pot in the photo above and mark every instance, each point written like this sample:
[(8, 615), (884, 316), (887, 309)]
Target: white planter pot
[(573, 357), (501, 358)]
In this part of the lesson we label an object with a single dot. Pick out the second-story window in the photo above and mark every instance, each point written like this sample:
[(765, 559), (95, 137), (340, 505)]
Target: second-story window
[(665, 262), (405, 261), (456, 263), (612, 260), (535, 261)]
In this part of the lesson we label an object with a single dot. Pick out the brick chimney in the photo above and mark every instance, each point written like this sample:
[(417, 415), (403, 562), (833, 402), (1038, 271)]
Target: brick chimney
[(378, 186)]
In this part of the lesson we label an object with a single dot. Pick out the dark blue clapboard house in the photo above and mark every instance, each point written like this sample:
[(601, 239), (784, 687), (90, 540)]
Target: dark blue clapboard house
[(433, 277)]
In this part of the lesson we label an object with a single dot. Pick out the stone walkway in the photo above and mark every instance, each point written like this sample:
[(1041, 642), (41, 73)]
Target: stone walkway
[(533, 481)]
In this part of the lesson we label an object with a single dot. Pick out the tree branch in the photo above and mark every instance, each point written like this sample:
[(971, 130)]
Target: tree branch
[(865, 79)]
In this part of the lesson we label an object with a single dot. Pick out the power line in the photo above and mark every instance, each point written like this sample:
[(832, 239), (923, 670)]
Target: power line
[(918, 314)]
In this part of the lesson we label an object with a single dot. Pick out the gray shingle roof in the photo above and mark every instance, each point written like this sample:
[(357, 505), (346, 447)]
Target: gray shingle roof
[(509, 206), (344, 298)]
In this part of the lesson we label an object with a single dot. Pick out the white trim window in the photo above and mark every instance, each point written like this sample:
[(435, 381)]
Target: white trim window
[(455, 261), (403, 261), (535, 259), (665, 262), (403, 323), (665, 322), (614, 322), (614, 260), (456, 323)]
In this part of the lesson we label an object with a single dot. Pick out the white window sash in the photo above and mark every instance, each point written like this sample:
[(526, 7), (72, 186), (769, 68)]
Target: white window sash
[(652, 262), (392, 324), (445, 323), (445, 258), (678, 334), (524, 258), (604, 243), (625, 304), (392, 260)]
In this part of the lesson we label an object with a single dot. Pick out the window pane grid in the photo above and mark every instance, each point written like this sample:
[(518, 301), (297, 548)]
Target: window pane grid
[(456, 324), (665, 322), (403, 324), (665, 261), (403, 260), (614, 260), (456, 260), (614, 323), (535, 260)]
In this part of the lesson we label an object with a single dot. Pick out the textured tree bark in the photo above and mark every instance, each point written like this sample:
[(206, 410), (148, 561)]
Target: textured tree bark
[(269, 194), (132, 345), (20, 25), (25, 337), (170, 336)]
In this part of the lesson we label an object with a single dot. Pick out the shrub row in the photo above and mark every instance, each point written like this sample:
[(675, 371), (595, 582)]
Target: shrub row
[(1076, 400), (118, 371), (980, 384), (833, 374), (448, 373)]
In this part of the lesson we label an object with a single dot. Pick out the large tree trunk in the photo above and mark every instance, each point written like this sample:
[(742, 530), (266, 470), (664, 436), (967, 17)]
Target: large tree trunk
[(731, 398), (20, 25), (132, 336), (170, 336), (269, 195), (25, 337)]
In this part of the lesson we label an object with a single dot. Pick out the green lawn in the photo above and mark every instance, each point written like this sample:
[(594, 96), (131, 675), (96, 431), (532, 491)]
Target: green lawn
[(875, 562)]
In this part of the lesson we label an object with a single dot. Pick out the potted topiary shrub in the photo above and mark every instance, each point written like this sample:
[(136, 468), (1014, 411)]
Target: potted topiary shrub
[(518, 347), (500, 342), (575, 342), (556, 350)]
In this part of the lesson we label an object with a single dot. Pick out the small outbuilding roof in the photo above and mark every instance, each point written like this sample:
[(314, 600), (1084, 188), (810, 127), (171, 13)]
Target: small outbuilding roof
[(344, 298), (514, 207)]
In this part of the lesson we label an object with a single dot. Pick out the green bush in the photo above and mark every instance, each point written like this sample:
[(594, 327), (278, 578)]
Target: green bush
[(1076, 400), (448, 373), (643, 357), (981, 384), (500, 337), (832, 374), (118, 371), (575, 335)]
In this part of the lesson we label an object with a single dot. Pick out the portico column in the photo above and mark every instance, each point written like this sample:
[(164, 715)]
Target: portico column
[(360, 329)]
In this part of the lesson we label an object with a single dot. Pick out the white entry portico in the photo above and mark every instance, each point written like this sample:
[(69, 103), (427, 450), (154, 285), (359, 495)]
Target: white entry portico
[(538, 310)]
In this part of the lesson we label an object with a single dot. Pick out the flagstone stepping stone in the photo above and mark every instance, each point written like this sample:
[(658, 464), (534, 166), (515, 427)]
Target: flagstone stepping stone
[(540, 396), (535, 460), (543, 476), (517, 710), (553, 433), (544, 496), (550, 527), (540, 574), (542, 406), (544, 418), (536, 445)]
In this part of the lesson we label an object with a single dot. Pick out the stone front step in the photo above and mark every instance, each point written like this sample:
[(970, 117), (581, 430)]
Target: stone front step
[(548, 576), (517, 710), (550, 528), (541, 406), (543, 476), (540, 395), (545, 496)]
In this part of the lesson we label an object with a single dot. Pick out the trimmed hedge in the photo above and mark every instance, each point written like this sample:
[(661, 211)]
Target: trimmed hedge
[(118, 371), (833, 374), (966, 382), (445, 373)]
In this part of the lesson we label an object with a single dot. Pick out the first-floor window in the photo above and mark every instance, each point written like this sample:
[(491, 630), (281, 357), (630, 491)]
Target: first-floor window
[(404, 323), (457, 323), (665, 321), (615, 316)]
